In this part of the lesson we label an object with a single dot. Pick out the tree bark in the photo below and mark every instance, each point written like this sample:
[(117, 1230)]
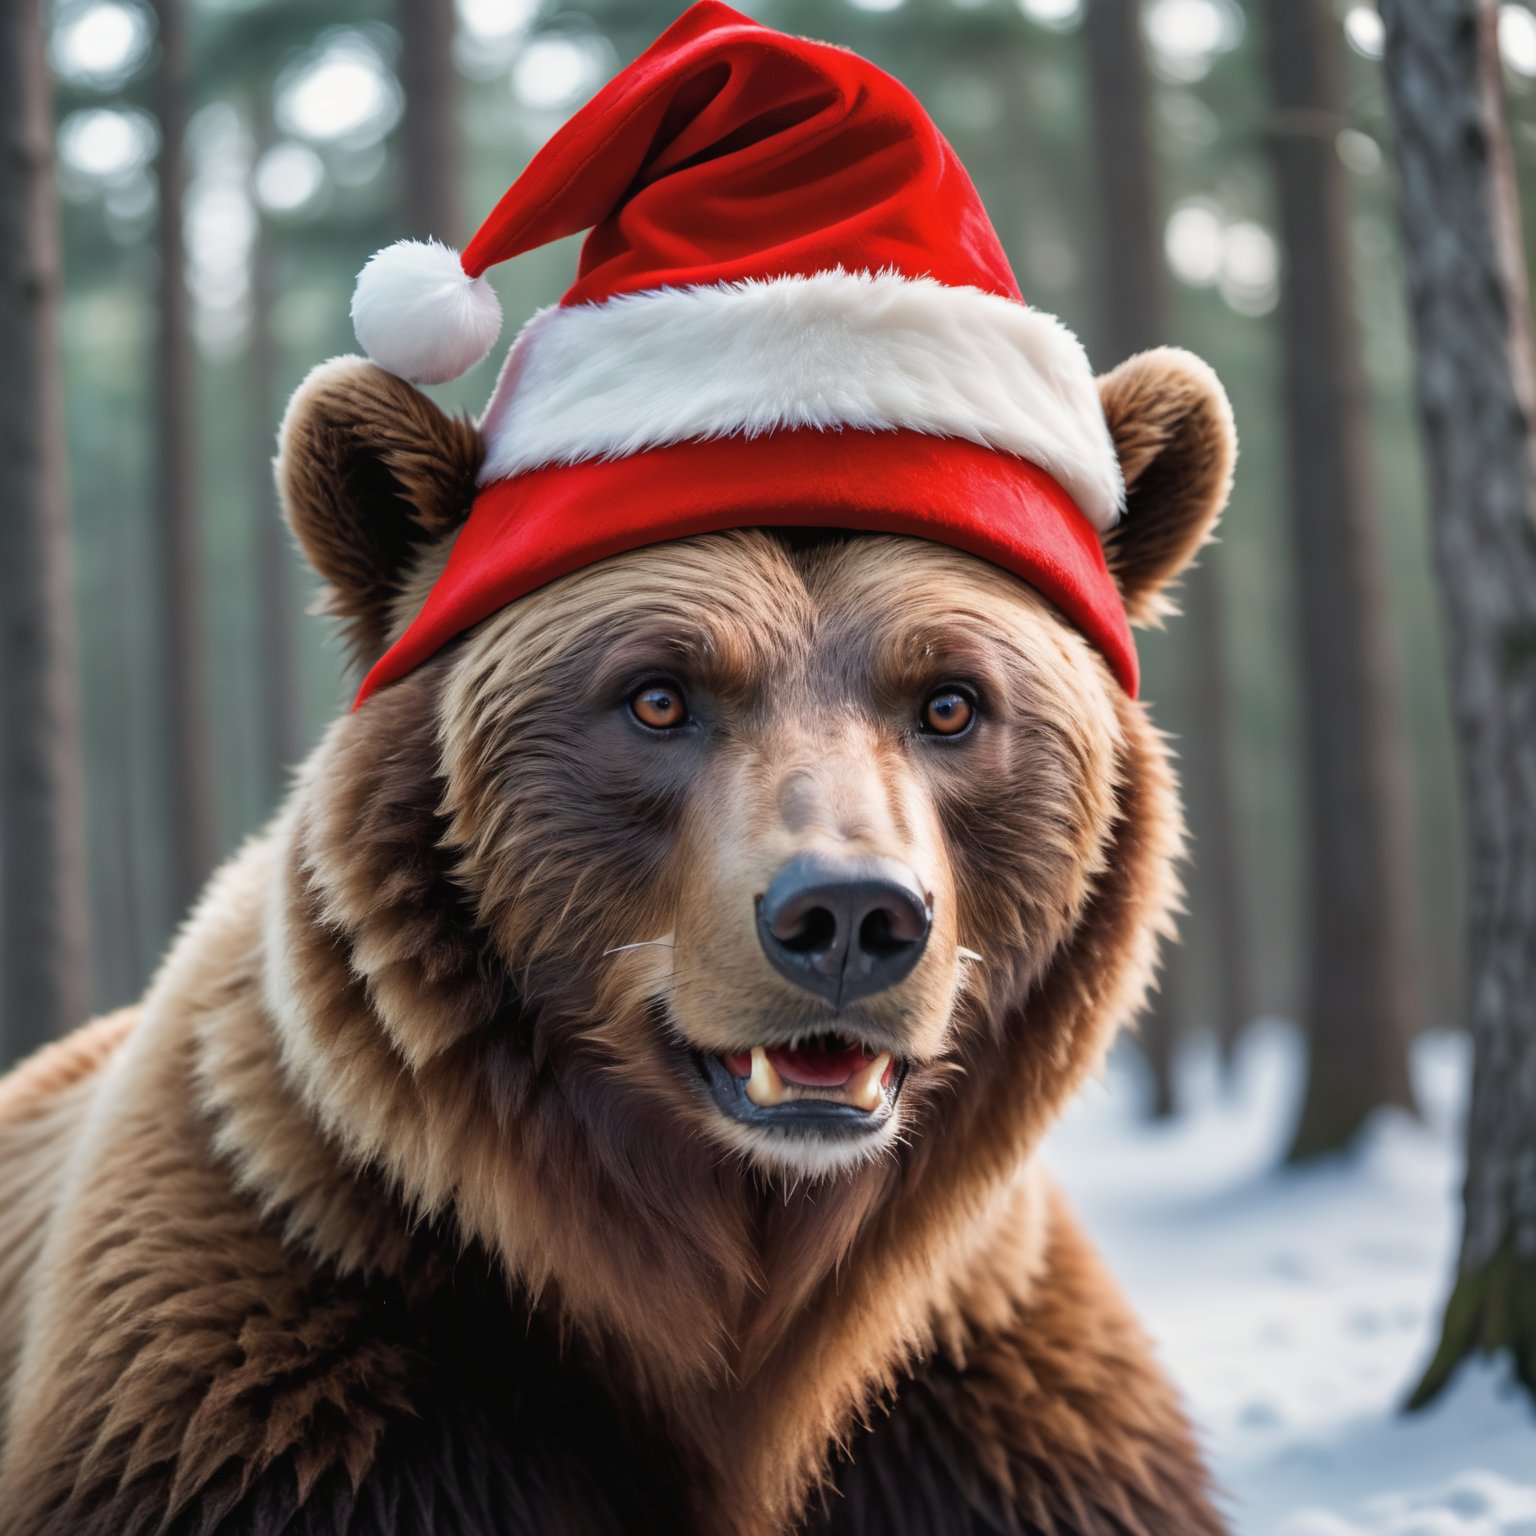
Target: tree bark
[(1477, 400), (1362, 997), (188, 829), (43, 902), (1132, 303), (430, 142), (277, 683)]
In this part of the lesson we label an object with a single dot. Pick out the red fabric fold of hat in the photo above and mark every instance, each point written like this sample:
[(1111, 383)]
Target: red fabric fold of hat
[(729, 151), (531, 530)]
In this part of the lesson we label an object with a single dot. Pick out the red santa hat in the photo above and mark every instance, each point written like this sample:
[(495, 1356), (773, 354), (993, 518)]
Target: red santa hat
[(791, 310)]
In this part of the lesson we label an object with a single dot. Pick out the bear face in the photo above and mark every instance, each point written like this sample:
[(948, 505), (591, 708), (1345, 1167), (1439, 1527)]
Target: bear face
[(641, 755), (529, 963)]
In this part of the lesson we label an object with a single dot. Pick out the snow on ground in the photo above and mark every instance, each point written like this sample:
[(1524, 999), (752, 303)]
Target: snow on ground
[(1296, 1310)]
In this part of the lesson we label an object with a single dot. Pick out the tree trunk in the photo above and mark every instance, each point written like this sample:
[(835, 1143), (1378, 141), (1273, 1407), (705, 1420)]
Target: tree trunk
[(1361, 991), (131, 937), (430, 142), (1132, 302), (43, 904), (1477, 398), (277, 684), (1131, 297), (1219, 895), (188, 777)]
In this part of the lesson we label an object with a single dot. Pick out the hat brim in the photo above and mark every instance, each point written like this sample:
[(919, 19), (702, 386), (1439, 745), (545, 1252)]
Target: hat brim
[(525, 532)]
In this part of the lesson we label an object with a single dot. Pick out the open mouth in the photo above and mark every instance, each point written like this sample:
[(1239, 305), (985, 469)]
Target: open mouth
[(827, 1084)]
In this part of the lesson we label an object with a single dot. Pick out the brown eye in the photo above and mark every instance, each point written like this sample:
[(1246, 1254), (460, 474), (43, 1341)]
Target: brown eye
[(660, 706), (949, 712)]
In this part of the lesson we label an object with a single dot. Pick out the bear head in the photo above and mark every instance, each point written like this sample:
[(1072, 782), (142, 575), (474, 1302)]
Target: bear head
[(762, 871)]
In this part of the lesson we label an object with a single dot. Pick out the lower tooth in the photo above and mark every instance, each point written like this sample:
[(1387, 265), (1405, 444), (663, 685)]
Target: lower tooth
[(863, 1088), (765, 1087)]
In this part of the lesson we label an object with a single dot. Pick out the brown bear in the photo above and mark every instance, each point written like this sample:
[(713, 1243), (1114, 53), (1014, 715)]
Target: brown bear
[(411, 1198), (607, 1098)]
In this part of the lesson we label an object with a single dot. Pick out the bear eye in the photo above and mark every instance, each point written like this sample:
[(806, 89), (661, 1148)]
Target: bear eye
[(948, 712), (659, 706)]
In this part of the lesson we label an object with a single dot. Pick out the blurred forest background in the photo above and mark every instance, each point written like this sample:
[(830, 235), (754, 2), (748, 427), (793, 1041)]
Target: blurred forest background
[(225, 167)]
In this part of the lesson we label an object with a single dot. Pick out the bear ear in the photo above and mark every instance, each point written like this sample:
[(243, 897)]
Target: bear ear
[(370, 472), (1172, 426)]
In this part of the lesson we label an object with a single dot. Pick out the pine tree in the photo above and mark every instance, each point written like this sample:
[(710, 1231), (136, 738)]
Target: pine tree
[(431, 149), (188, 813), (278, 708), (1361, 993), (1477, 399), (1131, 301), (44, 956)]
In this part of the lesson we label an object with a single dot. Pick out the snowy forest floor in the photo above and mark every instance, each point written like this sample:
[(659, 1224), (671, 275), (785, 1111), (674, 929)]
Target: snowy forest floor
[(1297, 1309)]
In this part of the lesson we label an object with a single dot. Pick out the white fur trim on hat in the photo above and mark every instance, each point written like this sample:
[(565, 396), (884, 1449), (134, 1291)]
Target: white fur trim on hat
[(875, 351), (420, 315)]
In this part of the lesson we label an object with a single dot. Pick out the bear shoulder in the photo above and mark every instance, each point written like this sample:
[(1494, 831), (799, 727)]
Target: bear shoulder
[(1055, 1420)]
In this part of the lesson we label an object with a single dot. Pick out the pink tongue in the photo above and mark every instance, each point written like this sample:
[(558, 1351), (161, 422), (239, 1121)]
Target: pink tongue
[(818, 1069), (808, 1068)]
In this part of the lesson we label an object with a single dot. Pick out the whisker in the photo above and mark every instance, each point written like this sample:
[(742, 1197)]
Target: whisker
[(962, 953), (618, 949)]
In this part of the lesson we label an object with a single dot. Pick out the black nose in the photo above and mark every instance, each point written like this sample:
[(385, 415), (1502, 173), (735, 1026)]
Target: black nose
[(843, 929)]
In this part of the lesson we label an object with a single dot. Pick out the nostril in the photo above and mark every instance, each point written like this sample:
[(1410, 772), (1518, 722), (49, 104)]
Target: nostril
[(878, 935), (813, 931)]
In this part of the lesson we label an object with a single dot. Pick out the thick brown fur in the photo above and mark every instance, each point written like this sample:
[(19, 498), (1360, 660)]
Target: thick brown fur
[(397, 1207)]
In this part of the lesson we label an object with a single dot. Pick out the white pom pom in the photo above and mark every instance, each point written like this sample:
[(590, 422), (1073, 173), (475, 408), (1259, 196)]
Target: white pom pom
[(420, 315)]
